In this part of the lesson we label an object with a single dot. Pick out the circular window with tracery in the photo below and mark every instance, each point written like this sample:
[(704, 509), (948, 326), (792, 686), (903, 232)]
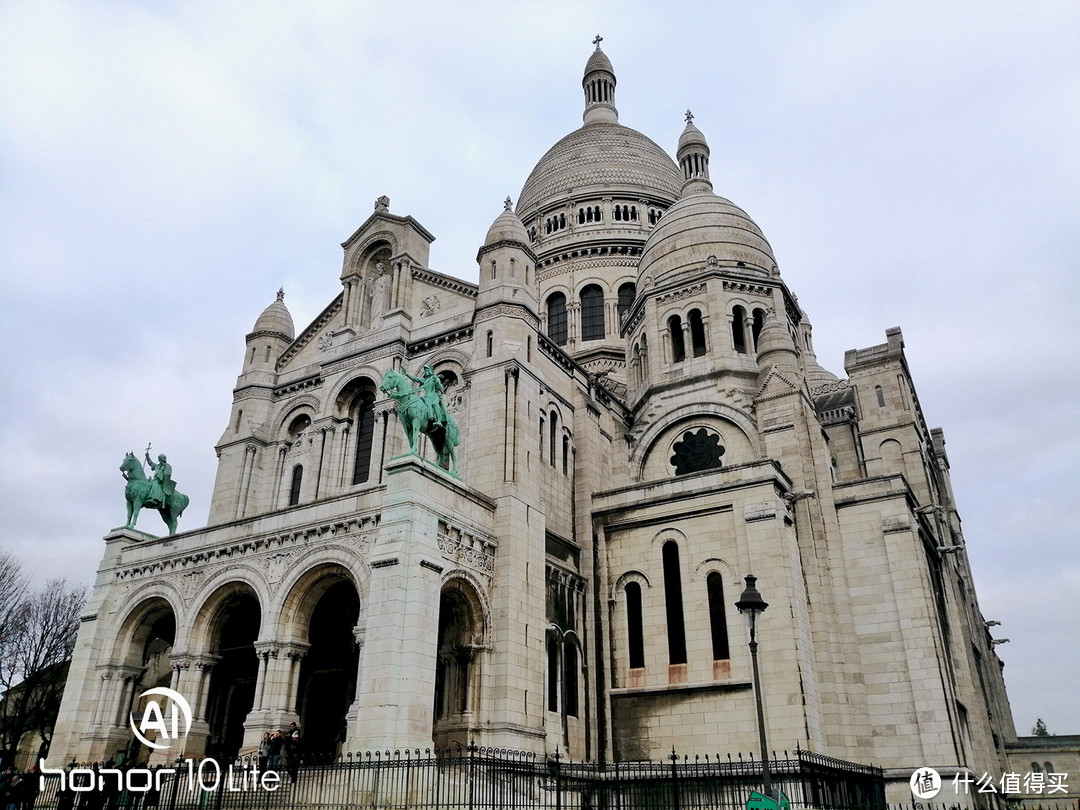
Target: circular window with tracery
[(696, 450)]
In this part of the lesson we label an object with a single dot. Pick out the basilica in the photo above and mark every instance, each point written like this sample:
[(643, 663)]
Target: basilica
[(642, 422)]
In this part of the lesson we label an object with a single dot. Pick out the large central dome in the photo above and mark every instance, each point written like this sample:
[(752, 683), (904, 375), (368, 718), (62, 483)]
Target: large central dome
[(601, 156)]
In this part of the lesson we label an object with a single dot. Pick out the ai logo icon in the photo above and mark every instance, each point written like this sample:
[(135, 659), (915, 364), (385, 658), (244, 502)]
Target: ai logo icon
[(153, 718)]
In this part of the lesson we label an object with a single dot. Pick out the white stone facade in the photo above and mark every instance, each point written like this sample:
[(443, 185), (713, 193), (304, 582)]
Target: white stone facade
[(644, 422)]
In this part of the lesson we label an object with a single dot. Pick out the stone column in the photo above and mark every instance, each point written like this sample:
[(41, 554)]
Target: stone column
[(295, 653), (103, 699), (352, 716)]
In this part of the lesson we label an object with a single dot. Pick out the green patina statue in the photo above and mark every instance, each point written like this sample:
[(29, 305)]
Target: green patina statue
[(423, 411), (158, 492)]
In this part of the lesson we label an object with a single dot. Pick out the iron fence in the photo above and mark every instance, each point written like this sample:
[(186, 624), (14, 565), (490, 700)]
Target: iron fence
[(473, 778)]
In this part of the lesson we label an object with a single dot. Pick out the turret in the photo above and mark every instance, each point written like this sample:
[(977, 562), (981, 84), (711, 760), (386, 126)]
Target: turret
[(599, 86), (693, 155), (507, 264), (268, 339)]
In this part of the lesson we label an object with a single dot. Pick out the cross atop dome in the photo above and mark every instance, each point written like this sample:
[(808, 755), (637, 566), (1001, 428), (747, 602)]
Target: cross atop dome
[(507, 203), (281, 294), (597, 40)]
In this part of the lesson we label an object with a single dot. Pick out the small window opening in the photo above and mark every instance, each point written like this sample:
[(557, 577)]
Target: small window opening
[(636, 638), (490, 343), (294, 489), (717, 617), (738, 329), (678, 345), (676, 629), (880, 394), (697, 332)]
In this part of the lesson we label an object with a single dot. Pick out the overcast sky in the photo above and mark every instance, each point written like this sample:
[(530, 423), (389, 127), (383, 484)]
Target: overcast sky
[(164, 168)]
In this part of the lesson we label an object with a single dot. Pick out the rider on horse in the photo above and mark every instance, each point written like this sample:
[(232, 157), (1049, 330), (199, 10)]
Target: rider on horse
[(164, 486), (431, 390)]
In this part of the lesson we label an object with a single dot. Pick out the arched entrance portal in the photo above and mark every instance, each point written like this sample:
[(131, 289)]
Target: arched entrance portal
[(234, 628), (148, 652), (460, 639), (327, 685)]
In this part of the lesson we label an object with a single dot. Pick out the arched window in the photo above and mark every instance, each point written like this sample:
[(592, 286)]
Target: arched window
[(570, 680), (592, 313), (553, 674), (678, 345), (556, 318), (759, 322), (364, 425), (880, 396), (562, 221), (565, 455), (635, 636), (581, 216), (553, 426), (738, 329), (697, 332), (239, 417), (490, 343), (627, 292), (297, 481), (714, 583), (676, 628)]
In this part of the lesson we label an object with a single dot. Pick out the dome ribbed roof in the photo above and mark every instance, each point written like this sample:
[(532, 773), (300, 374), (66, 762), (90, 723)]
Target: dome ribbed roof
[(276, 318), (608, 158), (507, 228), (699, 226), (598, 61)]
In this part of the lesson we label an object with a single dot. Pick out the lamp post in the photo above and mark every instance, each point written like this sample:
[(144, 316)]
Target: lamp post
[(751, 605)]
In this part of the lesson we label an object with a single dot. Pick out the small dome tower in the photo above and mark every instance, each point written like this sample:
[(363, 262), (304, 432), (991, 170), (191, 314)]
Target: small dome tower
[(693, 155), (271, 335), (507, 264), (599, 86)]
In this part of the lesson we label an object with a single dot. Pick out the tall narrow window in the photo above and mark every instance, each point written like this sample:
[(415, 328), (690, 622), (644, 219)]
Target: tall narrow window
[(553, 426), (676, 628), (759, 322), (717, 618), (678, 345), (565, 454), (297, 480), (636, 638), (490, 343), (880, 396), (697, 332), (553, 674), (592, 313), (556, 318), (627, 292), (738, 329), (570, 682), (364, 425)]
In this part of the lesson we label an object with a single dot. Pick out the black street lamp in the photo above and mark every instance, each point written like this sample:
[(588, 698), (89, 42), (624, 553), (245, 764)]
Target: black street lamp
[(751, 605)]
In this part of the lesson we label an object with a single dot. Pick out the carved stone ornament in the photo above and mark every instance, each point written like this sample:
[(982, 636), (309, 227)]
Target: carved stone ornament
[(325, 341), (430, 305)]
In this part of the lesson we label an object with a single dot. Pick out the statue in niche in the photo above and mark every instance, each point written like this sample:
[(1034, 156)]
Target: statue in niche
[(423, 411), (380, 295)]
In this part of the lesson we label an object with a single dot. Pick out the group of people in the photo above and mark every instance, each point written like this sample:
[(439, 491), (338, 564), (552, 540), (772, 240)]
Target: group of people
[(281, 750), (18, 791)]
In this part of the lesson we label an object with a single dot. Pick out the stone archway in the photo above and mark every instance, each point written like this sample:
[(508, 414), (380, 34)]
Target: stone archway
[(460, 638), (326, 686), (234, 627)]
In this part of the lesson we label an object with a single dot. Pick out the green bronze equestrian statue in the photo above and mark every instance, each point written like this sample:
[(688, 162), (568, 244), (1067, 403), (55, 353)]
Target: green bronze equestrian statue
[(423, 411), (158, 492)]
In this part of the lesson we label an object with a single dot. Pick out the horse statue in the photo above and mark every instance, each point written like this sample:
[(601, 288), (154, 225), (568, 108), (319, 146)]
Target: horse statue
[(422, 411), (142, 492)]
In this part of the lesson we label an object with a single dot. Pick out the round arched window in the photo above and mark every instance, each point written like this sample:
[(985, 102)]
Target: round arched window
[(696, 450)]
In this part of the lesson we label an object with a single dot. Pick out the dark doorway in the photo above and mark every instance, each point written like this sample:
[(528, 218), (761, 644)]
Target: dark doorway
[(232, 683), (328, 674)]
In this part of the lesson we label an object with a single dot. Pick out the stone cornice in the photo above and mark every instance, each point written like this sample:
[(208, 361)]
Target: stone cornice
[(446, 282)]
